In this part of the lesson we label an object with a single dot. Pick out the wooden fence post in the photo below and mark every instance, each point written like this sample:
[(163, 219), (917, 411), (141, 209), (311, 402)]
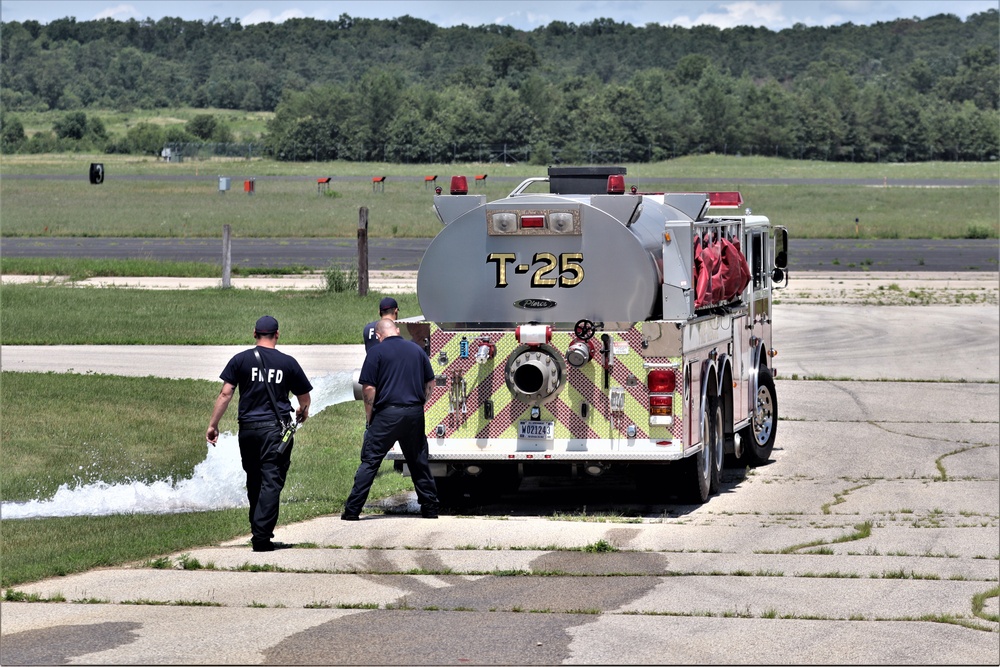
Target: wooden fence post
[(227, 256), (363, 251)]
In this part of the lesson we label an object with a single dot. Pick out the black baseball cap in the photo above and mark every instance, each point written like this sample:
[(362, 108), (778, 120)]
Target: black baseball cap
[(387, 303), (266, 325)]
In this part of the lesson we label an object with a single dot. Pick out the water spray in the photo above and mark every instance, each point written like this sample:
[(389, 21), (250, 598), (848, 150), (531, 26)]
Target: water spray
[(216, 483)]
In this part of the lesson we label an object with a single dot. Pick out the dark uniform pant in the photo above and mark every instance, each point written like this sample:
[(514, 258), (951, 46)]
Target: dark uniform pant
[(389, 425), (266, 470)]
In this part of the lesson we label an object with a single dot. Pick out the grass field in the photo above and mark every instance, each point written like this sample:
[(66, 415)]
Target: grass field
[(81, 268), (54, 315), (80, 429), (183, 199)]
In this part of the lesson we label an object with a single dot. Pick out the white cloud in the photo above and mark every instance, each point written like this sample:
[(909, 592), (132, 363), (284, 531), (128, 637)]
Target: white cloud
[(539, 19), (767, 14), (520, 20), (119, 13), (264, 16)]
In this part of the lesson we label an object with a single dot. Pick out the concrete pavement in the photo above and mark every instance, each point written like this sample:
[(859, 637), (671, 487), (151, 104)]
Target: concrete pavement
[(873, 536), (202, 362), (852, 547), (397, 281)]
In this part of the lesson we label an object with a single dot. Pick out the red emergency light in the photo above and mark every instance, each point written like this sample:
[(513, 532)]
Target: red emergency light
[(459, 186), (661, 381), (725, 199), (616, 184), (532, 221)]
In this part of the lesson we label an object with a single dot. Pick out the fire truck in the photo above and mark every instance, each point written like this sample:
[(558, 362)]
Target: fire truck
[(589, 328)]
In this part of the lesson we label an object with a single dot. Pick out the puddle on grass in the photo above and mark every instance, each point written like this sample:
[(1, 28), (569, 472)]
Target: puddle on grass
[(216, 483)]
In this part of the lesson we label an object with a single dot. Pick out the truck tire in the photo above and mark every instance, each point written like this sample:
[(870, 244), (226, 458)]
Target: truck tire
[(758, 437), (717, 443), (698, 472)]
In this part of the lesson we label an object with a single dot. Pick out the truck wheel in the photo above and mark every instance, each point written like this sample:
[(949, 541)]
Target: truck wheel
[(717, 443), (698, 471), (758, 437)]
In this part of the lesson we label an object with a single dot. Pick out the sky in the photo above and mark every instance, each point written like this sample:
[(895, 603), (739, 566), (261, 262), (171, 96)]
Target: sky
[(519, 14)]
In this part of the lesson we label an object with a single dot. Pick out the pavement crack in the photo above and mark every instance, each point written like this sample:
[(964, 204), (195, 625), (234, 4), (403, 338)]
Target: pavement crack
[(939, 461)]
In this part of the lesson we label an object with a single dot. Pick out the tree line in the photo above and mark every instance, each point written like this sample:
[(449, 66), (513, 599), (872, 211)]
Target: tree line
[(406, 90)]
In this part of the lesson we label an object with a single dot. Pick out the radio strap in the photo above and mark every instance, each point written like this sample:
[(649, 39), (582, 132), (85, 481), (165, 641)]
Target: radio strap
[(287, 425)]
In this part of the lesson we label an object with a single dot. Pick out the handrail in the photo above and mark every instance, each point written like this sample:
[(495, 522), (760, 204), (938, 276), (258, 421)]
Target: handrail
[(524, 185)]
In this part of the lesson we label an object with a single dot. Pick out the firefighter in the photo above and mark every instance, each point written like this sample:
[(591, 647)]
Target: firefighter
[(387, 308), (265, 460), (396, 381)]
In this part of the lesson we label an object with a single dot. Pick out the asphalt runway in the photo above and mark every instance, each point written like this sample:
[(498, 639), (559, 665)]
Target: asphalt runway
[(911, 255)]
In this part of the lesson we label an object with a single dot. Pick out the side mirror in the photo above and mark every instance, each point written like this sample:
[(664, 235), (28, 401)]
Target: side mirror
[(777, 275), (781, 247)]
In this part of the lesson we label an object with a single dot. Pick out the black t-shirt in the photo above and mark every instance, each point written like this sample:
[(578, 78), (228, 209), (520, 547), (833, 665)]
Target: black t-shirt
[(369, 335), (284, 374), (399, 370)]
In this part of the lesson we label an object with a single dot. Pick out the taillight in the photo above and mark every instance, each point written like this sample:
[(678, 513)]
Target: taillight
[(661, 406), (532, 221), (661, 382)]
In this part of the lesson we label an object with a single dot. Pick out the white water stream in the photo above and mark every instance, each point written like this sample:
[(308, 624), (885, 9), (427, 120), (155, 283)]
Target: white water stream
[(216, 483)]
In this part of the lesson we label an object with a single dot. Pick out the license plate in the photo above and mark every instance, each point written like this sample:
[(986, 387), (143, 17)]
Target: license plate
[(536, 430)]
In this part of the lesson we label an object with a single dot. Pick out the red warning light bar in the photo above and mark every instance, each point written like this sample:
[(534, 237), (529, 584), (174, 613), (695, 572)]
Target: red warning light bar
[(725, 199)]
